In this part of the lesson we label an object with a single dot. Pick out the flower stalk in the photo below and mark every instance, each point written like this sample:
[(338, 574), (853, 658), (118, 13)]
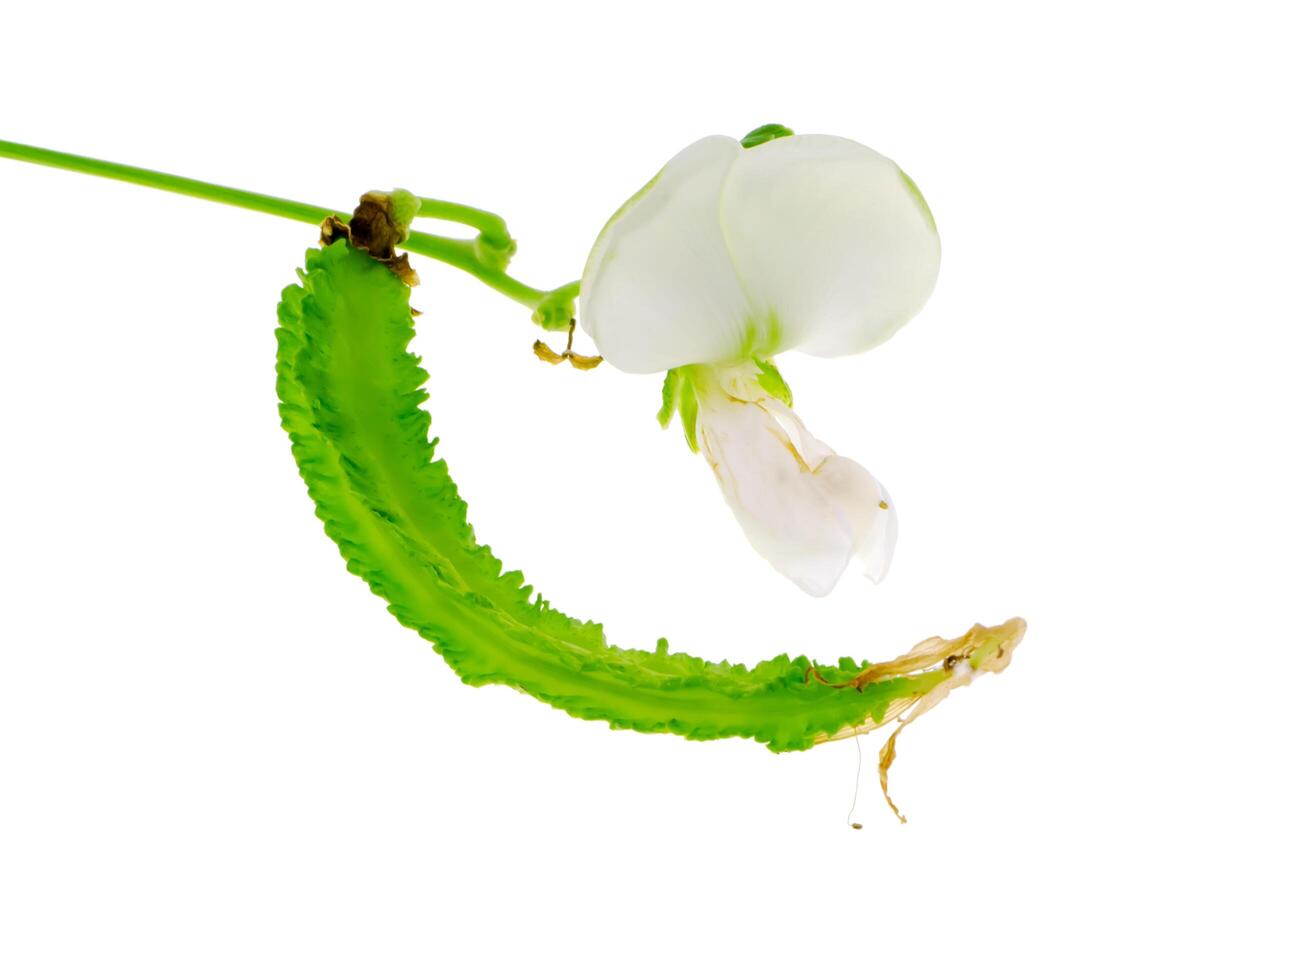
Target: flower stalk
[(485, 257)]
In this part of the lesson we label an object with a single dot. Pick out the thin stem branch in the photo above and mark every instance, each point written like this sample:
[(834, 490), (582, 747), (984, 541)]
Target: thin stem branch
[(491, 227), (456, 252), (281, 207)]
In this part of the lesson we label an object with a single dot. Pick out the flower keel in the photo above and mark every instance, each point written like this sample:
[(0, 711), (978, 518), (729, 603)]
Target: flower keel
[(804, 508)]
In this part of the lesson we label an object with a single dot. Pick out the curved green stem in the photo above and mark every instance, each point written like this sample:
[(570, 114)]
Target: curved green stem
[(492, 228), (459, 253)]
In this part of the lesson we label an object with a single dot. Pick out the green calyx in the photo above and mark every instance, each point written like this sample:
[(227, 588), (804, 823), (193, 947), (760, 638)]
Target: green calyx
[(772, 382), (556, 310), (678, 395), (764, 134), (404, 206)]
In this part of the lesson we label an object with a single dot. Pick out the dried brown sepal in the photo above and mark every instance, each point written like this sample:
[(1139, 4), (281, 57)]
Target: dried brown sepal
[(546, 353), (400, 267), (886, 757), (982, 650), (937, 651), (333, 229), (372, 228), (583, 362)]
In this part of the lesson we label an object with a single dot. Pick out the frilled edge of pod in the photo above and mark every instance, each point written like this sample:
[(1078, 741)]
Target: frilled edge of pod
[(351, 398)]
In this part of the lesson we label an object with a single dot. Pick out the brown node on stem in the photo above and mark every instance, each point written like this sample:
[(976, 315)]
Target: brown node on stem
[(373, 228)]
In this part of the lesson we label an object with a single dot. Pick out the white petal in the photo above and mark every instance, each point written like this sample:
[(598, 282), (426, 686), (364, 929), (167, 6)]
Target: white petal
[(832, 239), (659, 288), (783, 512), (867, 507), (804, 508)]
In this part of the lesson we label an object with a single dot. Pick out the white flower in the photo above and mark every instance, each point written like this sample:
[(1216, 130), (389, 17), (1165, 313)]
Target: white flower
[(732, 255)]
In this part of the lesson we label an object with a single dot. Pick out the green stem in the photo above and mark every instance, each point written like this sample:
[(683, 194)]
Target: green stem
[(491, 227), (456, 252)]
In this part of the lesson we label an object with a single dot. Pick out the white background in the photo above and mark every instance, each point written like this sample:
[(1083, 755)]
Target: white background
[(220, 757)]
